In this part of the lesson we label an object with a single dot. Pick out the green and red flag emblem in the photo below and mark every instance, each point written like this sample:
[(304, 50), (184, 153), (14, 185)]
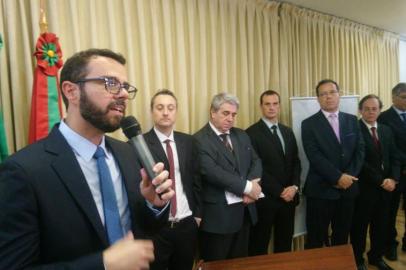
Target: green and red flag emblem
[(46, 103)]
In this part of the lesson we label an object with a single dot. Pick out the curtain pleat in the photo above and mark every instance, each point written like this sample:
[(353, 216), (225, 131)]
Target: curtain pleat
[(198, 48)]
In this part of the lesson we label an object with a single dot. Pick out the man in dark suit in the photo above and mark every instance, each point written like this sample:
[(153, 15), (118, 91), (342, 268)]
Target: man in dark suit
[(74, 199), (276, 145), (230, 171), (334, 146), (395, 118), (377, 180), (175, 244)]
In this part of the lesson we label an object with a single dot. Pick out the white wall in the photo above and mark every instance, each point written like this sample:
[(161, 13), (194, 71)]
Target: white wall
[(402, 61)]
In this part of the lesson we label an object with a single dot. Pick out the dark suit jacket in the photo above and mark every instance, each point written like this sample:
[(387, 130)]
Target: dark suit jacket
[(223, 171), (188, 163), (391, 119), (48, 218), (378, 165), (328, 158), (279, 171)]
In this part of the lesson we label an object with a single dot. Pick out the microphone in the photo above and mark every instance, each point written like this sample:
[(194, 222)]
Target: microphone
[(132, 131)]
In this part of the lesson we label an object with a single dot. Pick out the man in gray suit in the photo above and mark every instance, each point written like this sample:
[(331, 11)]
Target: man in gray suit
[(230, 171)]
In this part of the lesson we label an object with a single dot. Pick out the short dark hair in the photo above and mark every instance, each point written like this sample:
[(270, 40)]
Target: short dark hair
[(362, 101), (75, 68), (324, 82), (163, 92), (400, 87), (269, 93)]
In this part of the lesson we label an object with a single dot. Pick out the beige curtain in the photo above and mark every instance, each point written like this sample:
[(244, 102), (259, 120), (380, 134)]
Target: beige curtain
[(314, 46), (198, 48)]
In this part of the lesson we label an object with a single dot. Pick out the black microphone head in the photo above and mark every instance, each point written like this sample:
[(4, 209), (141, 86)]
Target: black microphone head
[(130, 127)]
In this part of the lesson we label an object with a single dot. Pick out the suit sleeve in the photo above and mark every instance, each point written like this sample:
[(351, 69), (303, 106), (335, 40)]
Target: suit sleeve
[(20, 228), (316, 158), (357, 160), (197, 181), (267, 181), (295, 161), (394, 157), (255, 170)]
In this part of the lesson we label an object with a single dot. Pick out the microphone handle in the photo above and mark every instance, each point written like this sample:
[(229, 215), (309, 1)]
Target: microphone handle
[(144, 154)]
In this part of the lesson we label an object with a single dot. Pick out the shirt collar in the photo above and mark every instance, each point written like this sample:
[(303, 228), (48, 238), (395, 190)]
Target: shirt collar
[(398, 111), (162, 137), (327, 114), (218, 133), (268, 123), (375, 125), (80, 145)]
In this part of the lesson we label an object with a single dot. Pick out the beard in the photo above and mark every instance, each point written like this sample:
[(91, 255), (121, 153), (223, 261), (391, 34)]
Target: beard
[(97, 116)]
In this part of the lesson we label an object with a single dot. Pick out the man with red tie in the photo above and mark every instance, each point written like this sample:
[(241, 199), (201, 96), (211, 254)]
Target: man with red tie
[(377, 180), (175, 243)]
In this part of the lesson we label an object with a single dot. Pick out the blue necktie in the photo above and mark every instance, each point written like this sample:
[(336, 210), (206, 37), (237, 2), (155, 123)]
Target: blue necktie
[(110, 208)]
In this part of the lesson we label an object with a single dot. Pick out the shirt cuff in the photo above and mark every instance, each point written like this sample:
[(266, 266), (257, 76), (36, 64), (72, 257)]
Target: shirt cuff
[(248, 187), (157, 212)]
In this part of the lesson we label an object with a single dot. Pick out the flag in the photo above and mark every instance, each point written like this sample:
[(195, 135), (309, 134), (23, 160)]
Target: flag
[(46, 104), (3, 139)]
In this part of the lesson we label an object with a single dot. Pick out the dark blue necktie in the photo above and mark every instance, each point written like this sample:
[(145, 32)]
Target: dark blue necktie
[(111, 214), (403, 116), (277, 140)]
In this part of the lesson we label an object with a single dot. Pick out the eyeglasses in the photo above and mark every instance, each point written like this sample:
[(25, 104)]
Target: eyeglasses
[(328, 93), (113, 86)]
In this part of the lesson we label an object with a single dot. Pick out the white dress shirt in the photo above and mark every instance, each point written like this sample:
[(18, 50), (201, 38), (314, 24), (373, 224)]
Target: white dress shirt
[(182, 205)]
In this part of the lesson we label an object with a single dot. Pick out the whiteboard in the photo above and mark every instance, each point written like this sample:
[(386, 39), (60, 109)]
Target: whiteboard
[(302, 108)]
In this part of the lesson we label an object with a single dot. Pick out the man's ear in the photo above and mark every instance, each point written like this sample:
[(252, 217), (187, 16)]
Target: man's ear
[(71, 91)]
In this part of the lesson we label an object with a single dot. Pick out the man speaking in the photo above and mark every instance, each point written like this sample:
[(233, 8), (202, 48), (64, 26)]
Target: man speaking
[(76, 199)]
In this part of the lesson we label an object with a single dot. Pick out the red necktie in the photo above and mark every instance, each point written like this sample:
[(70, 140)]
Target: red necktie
[(375, 139), (169, 154)]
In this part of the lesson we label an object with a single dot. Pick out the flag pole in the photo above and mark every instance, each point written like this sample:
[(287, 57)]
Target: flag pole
[(46, 103), (43, 25)]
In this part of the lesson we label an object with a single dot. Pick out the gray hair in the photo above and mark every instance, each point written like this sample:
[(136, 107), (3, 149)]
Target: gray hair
[(222, 98), (399, 88)]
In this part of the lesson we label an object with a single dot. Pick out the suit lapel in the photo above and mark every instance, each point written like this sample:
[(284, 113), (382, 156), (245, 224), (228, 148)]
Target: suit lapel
[(265, 128), (368, 137), (181, 151), (396, 116), (285, 139), (342, 127), (70, 173), (236, 148), (382, 138), (126, 164), (219, 145), (268, 133), (327, 127), (156, 147)]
